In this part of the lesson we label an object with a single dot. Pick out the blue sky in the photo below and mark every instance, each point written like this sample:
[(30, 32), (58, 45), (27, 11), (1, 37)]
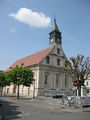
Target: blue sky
[(22, 34)]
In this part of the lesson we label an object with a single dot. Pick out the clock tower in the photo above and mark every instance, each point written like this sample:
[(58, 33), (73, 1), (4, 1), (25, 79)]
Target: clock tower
[(55, 36)]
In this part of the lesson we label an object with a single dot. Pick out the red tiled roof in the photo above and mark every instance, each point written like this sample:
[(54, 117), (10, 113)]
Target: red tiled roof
[(31, 59)]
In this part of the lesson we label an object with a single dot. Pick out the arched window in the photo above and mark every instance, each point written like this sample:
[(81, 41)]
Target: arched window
[(57, 79), (48, 60), (58, 51), (87, 83), (46, 79), (65, 80), (58, 61)]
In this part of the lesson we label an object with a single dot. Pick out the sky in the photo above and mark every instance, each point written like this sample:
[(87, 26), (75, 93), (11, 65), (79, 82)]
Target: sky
[(25, 27)]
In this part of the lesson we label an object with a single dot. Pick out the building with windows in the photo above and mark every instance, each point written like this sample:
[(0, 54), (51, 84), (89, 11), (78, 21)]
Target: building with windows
[(48, 67), (87, 84)]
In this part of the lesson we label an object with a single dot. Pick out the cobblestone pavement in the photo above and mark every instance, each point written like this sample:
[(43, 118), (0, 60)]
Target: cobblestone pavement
[(24, 108), (47, 102)]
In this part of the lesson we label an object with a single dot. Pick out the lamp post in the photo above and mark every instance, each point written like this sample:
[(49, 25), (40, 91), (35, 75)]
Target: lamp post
[(1, 87), (75, 84), (0, 90), (33, 88), (18, 89)]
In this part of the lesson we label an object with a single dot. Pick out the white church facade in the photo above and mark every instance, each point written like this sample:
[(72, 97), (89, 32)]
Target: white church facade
[(48, 67)]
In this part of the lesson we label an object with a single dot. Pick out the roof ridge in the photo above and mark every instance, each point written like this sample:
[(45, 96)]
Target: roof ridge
[(32, 59), (46, 55), (35, 53)]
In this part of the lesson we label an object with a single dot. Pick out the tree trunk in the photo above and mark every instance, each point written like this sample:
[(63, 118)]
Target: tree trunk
[(28, 90), (1, 90), (18, 92), (4, 91), (14, 88), (79, 90)]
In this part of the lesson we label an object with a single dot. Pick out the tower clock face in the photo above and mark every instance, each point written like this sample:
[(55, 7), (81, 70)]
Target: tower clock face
[(58, 40), (52, 40)]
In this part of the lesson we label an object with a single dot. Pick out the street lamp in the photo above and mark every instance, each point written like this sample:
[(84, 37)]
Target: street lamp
[(18, 89), (0, 90), (33, 88)]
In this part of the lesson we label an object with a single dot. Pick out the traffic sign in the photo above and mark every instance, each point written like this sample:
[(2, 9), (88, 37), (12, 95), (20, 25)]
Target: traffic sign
[(75, 83)]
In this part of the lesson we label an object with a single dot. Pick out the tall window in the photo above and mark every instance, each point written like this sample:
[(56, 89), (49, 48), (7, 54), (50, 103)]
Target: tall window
[(46, 79), (58, 51), (65, 81), (58, 61), (48, 60), (87, 83), (87, 90), (57, 80)]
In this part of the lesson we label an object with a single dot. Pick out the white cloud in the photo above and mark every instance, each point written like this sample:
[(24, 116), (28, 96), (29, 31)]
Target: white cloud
[(34, 19)]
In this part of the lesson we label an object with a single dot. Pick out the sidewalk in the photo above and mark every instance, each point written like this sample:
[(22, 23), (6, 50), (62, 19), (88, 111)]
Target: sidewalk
[(47, 103)]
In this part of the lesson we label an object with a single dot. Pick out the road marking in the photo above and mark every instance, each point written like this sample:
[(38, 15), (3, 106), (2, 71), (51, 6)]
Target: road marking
[(20, 115), (26, 114)]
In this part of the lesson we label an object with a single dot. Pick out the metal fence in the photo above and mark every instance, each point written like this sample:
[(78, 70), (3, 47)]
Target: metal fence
[(74, 101)]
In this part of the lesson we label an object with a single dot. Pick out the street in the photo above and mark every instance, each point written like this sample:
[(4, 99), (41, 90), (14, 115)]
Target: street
[(27, 110)]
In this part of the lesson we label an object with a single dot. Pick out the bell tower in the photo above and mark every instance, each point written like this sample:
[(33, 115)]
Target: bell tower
[(55, 35)]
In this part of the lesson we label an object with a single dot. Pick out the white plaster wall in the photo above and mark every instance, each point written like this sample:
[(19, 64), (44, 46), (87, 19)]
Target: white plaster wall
[(38, 87), (23, 90), (54, 56), (88, 86), (88, 80)]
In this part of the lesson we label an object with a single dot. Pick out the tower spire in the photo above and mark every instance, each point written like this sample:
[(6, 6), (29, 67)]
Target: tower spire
[(54, 20), (55, 35), (55, 27)]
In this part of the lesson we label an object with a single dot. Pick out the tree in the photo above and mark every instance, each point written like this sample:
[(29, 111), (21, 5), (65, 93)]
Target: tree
[(79, 68), (3, 81), (20, 76), (27, 77)]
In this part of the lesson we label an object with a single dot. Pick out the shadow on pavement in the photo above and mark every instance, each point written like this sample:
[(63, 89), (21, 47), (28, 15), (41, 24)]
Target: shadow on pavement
[(9, 111)]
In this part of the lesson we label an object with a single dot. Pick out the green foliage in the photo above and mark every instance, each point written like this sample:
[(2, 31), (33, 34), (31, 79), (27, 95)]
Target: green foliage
[(2, 80), (20, 76), (27, 77), (8, 78)]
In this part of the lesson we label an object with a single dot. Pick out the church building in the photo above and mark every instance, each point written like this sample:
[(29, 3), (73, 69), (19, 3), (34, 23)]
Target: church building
[(48, 67)]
